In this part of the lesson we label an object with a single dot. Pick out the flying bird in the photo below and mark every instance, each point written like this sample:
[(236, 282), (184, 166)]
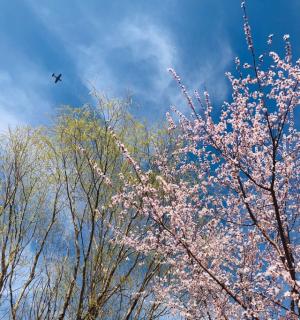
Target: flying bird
[(57, 78)]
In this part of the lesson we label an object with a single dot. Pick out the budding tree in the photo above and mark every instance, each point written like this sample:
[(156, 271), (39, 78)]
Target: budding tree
[(225, 213), (59, 258)]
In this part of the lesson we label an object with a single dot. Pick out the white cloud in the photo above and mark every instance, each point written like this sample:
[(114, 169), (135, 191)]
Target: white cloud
[(8, 120), (210, 73), (22, 96), (146, 41)]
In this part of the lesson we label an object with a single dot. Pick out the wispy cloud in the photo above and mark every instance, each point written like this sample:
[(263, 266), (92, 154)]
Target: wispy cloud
[(117, 46), (132, 54), (8, 120), (210, 74), (23, 96), (115, 51), (134, 57)]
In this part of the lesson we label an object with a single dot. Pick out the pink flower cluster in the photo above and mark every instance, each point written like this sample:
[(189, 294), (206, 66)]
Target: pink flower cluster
[(224, 213)]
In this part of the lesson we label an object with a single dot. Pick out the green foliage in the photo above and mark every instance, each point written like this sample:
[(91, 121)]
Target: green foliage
[(60, 233)]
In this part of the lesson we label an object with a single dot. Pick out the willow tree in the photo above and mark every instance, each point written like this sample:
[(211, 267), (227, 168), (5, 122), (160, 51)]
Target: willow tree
[(29, 209), (60, 258)]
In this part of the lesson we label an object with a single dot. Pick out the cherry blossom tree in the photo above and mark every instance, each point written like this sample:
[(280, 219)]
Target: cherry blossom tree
[(223, 206)]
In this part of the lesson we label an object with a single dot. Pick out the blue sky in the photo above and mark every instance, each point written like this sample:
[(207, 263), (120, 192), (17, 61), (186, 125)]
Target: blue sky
[(126, 46)]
